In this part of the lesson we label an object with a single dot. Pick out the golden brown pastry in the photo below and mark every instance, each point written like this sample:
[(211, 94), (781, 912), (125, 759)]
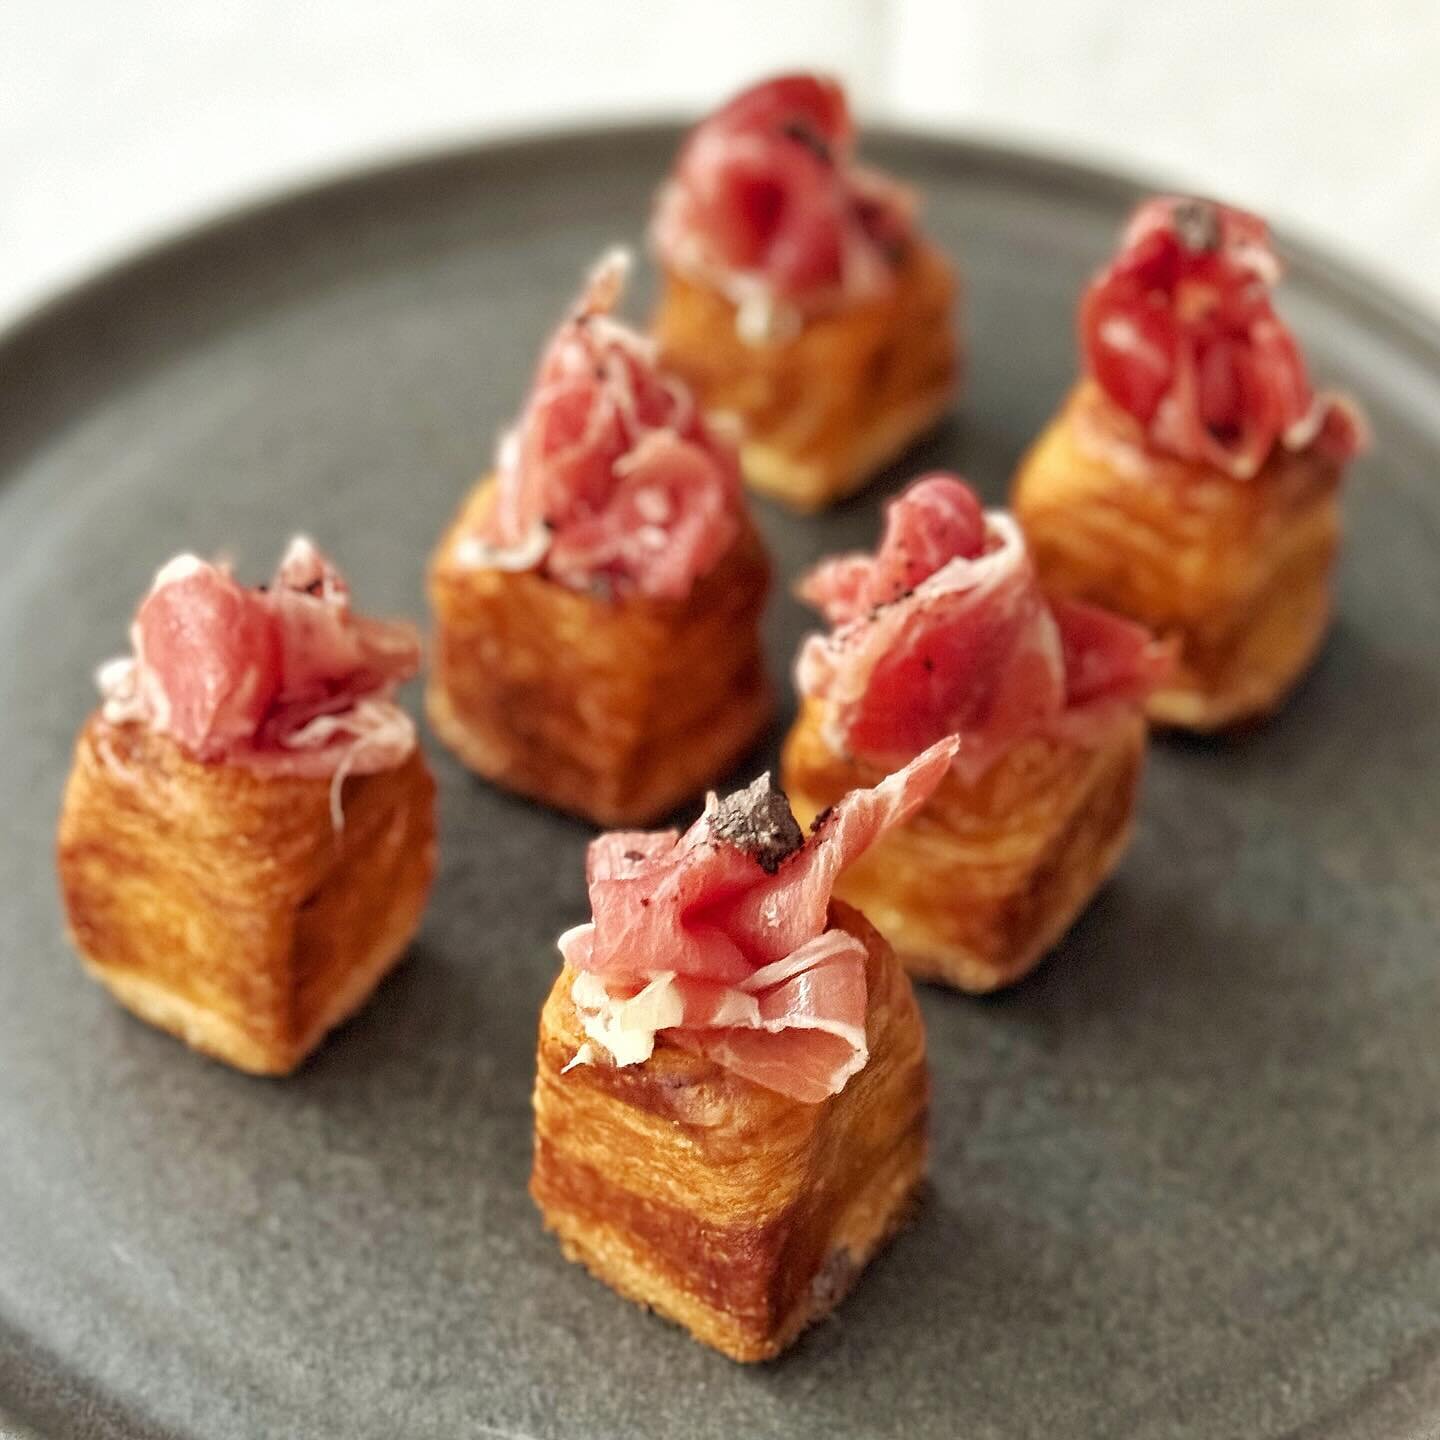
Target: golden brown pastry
[(991, 873), (247, 838), (731, 1095), (597, 603), (945, 631), (799, 295), (1191, 481)]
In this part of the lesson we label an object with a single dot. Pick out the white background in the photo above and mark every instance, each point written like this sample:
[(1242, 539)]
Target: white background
[(122, 119)]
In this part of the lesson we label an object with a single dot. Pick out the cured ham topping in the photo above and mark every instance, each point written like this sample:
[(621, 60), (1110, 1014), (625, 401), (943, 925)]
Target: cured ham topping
[(716, 941), (611, 482), (283, 678), (1179, 331), (945, 631), (767, 204)]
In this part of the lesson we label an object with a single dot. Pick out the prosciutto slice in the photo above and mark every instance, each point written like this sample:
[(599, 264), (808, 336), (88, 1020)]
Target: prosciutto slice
[(283, 678), (1179, 331), (945, 631), (766, 202), (716, 940), (612, 481)]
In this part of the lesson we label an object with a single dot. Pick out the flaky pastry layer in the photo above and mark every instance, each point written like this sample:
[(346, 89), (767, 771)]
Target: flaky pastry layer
[(615, 710), (1237, 572), (223, 906), (982, 883), (725, 1207), (824, 410)]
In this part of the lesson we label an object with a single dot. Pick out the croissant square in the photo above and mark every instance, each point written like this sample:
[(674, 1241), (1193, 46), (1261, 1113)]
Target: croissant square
[(737, 1212), (1236, 572), (977, 887), (826, 408), (224, 906), (616, 710)]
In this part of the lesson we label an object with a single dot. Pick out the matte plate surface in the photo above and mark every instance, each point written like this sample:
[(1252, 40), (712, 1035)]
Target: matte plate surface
[(1186, 1179)]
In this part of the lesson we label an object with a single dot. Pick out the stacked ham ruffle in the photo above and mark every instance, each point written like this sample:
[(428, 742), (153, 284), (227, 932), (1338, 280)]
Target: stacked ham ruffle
[(1180, 332), (612, 481), (945, 631), (283, 678), (766, 202), (717, 940)]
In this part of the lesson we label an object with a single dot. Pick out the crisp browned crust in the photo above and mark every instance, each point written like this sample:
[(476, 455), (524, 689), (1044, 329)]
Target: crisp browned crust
[(825, 410), (738, 1213), (987, 877), (615, 710), (223, 906), (1236, 571)]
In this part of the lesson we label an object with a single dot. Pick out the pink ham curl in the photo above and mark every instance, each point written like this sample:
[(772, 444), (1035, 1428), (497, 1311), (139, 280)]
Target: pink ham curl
[(1180, 332), (284, 679), (766, 199), (612, 482), (945, 631), (716, 941)]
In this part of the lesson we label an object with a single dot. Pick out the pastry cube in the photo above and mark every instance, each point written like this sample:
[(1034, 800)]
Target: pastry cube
[(825, 408), (614, 709), (982, 883), (1236, 573), (224, 905), (733, 1210)]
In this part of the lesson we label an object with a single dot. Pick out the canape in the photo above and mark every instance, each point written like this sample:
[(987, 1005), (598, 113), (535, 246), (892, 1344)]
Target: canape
[(597, 601), (247, 838), (944, 631), (800, 295), (730, 1107), (1191, 480)]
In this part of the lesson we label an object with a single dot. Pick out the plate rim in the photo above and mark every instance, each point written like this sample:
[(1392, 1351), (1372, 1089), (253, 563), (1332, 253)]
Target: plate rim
[(1390, 303), (1393, 311)]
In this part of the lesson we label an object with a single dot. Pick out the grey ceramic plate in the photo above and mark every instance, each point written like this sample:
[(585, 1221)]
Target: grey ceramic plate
[(1186, 1178)]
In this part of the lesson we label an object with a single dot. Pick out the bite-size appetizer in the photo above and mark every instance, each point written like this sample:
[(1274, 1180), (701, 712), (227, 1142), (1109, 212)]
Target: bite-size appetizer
[(248, 839), (1191, 480), (730, 1108), (800, 294), (945, 632), (597, 600)]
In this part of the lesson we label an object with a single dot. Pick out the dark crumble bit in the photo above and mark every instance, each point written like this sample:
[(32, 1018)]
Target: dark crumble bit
[(634, 856), (820, 819), (758, 820), (316, 588), (803, 134), (1197, 223), (898, 598)]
